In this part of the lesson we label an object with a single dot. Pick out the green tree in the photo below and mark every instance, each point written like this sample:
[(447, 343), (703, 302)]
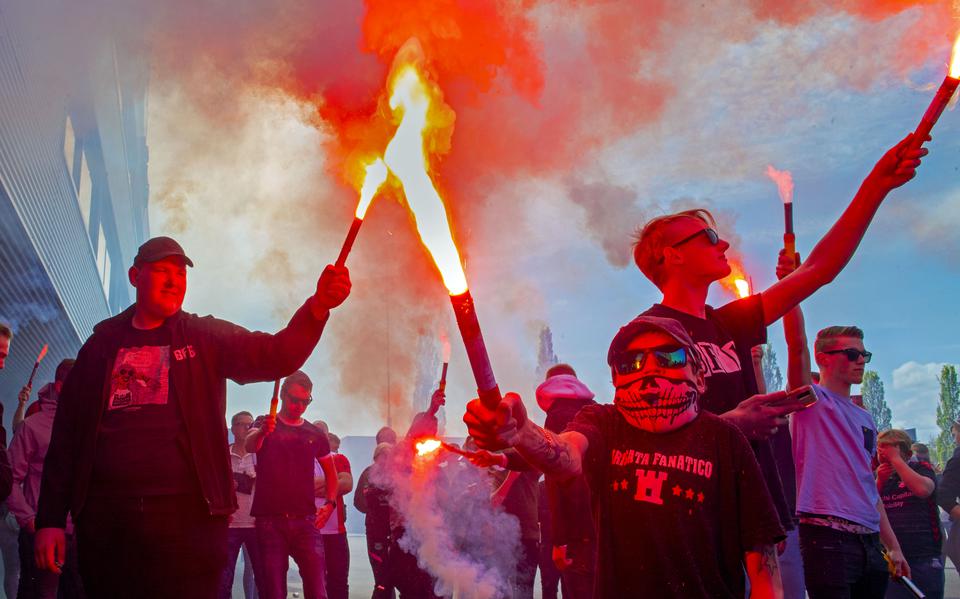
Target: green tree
[(872, 390), (948, 411), (771, 370)]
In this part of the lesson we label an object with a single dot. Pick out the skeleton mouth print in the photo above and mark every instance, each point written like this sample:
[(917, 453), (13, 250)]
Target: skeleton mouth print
[(653, 403)]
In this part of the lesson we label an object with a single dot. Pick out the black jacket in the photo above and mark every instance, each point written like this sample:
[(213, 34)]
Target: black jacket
[(205, 352), (948, 490)]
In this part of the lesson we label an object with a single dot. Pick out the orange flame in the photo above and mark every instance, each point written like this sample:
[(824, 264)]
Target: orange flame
[(737, 273), (955, 59), (43, 352), (428, 446), (419, 106)]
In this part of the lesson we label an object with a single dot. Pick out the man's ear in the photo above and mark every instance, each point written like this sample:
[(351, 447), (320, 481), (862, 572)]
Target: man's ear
[(132, 275)]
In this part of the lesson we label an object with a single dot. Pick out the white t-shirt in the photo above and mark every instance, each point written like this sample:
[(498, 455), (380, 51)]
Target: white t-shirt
[(332, 527)]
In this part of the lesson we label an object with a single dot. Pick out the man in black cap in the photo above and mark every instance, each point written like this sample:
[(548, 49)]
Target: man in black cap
[(137, 454), (680, 504)]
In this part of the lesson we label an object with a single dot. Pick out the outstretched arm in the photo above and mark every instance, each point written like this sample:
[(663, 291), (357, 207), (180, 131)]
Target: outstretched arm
[(832, 253), (559, 456)]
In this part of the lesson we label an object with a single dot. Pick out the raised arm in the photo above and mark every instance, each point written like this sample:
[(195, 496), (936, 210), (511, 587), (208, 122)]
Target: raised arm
[(798, 351), (558, 456), (835, 249)]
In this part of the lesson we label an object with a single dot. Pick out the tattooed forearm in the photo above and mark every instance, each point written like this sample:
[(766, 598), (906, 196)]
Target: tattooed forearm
[(770, 563), (549, 452)]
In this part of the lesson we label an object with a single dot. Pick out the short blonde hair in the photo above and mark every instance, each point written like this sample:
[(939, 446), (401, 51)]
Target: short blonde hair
[(826, 336), (899, 438), (648, 243)]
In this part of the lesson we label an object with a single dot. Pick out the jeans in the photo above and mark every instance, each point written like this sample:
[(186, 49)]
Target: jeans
[(791, 568), (577, 579), (237, 538), (282, 538), (842, 565), (158, 546), (336, 553), (9, 551), (927, 574), (378, 554), (43, 584)]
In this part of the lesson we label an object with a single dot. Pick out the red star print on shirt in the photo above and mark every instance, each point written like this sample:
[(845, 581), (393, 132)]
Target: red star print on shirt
[(689, 493), (700, 497), (677, 490)]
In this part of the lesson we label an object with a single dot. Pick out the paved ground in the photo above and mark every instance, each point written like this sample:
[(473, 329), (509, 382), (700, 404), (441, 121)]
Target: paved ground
[(361, 578)]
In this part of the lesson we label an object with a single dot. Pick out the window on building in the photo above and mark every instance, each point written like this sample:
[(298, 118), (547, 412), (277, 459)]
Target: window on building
[(69, 145), (103, 263), (85, 189)]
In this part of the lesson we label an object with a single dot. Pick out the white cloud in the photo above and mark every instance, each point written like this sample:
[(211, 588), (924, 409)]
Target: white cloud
[(915, 396)]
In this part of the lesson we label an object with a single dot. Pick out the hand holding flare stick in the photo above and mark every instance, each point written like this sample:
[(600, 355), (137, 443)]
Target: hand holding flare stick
[(940, 100)]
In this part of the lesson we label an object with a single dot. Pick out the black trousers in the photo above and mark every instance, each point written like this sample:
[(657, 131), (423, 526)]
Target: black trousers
[(842, 565), (336, 551), (161, 546)]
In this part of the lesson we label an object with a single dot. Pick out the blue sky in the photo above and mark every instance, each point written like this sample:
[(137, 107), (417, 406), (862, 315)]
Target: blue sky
[(792, 97)]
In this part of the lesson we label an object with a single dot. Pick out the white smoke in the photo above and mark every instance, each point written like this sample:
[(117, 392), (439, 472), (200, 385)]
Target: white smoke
[(469, 547)]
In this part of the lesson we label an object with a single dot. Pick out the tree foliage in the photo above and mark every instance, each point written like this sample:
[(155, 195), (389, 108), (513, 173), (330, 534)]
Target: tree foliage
[(872, 390), (771, 370), (948, 411)]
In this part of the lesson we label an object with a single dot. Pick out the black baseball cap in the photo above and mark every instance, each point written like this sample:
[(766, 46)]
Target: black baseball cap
[(642, 324), (158, 248)]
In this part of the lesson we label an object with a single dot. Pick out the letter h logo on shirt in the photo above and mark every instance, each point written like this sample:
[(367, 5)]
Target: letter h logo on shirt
[(649, 486)]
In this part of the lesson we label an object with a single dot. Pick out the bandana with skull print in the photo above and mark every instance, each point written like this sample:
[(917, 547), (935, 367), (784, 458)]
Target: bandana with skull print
[(652, 402)]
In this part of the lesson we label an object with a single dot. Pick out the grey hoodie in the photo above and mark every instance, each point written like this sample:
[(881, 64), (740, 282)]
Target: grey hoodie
[(27, 451)]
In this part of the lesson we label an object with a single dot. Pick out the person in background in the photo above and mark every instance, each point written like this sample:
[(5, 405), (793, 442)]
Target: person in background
[(386, 435), (9, 531), (948, 497), (572, 546), (372, 502), (336, 551), (27, 452), (908, 491), (288, 519), (242, 533)]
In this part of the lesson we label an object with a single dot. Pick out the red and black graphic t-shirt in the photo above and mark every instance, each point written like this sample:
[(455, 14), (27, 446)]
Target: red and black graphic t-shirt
[(724, 340), (142, 446), (915, 520), (675, 511)]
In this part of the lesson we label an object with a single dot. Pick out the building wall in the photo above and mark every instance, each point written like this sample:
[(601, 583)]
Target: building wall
[(73, 187)]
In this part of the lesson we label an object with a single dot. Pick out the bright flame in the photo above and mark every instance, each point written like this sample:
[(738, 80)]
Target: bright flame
[(411, 99), (428, 446), (737, 272), (784, 181), (43, 352), (376, 175), (955, 59), (743, 288)]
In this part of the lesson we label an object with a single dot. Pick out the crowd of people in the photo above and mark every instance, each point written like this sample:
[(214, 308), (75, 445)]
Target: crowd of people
[(694, 482)]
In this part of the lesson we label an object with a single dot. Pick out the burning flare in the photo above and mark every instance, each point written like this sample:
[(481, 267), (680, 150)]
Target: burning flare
[(428, 446), (743, 287), (955, 59), (376, 175), (784, 181), (412, 99)]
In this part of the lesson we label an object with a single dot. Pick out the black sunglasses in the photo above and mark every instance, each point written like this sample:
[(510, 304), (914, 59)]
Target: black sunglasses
[(712, 236), (852, 354), (302, 402), (632, 361)]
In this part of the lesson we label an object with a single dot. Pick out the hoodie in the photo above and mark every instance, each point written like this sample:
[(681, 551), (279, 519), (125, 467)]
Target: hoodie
[(27, 452), (561, 397)]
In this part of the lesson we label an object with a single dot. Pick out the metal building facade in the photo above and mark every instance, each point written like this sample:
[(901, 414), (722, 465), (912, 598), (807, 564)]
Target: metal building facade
[(73, 187)]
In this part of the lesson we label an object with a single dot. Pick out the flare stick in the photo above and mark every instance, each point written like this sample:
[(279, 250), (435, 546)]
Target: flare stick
[(348, 242), (936, 108), (789, 240), (275, 399), (443, 377), (469, 326), (36, 365)]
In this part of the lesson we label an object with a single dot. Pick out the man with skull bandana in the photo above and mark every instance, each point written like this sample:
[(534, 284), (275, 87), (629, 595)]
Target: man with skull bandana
[(680, 504)]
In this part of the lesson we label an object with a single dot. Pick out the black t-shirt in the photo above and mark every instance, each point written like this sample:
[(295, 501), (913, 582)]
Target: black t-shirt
[(724, 340), (142, 445), (676, 511), (915, 520), (285, 469)]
